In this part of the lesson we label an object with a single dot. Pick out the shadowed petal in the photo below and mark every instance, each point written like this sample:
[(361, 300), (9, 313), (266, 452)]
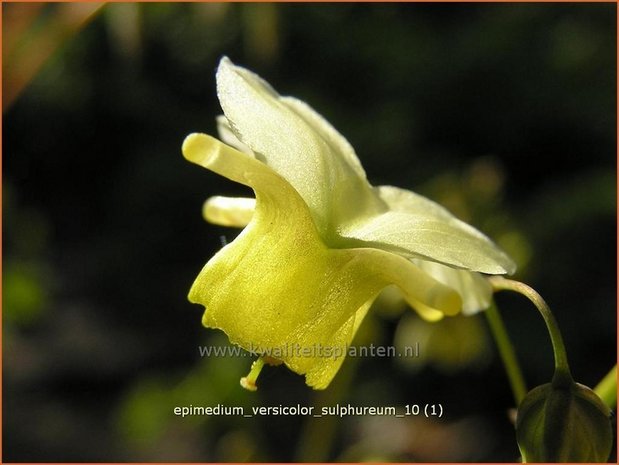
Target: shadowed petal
[(474, 289)]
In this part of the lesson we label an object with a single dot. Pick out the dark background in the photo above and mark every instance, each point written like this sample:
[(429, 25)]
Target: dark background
[(505, 113)]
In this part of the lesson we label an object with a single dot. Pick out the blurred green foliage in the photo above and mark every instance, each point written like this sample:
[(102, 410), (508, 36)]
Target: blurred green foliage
[(505, 113)]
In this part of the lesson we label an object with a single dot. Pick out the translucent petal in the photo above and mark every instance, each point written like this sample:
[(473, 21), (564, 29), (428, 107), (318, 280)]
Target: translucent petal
[(229, 211), (228, 136), (299, 145), (416, 227), (337, 143), (474, 289), (405, 201)]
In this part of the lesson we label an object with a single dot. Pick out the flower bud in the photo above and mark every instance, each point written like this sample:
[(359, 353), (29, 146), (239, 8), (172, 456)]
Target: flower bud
[(564, 422)]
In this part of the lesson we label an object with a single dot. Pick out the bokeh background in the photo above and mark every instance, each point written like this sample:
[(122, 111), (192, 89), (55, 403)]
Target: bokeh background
[(505, 113)]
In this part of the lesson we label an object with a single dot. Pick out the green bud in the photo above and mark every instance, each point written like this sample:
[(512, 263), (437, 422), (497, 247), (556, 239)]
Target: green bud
[(564, 422)]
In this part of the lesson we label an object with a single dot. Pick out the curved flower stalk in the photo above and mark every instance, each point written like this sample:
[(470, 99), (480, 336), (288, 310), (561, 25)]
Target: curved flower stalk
[(319, 242)]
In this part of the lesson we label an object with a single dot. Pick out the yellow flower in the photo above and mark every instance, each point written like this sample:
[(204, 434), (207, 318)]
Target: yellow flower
[(320, 242)]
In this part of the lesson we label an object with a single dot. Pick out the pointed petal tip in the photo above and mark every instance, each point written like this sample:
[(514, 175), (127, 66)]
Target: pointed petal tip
[(502, 263), (225, 66), (506, 266), (225, 61)]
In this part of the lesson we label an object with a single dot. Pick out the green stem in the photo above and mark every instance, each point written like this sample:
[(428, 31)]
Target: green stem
[(562, 376), (507, 353), (607, 389)]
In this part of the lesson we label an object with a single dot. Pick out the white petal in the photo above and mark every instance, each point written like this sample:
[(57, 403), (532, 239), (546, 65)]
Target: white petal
[(414, 236), (299, 145), (419, 228), (227, 136), (402, 200), (336, 141)]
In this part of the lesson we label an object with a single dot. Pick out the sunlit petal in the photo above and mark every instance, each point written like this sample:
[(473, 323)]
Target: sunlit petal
[(297, 144)]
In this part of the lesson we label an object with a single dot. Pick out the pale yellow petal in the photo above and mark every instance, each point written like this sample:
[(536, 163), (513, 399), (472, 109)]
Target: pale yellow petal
[(428, 296), (299, 145), (320, 375), (474, 289), (278, 287), (229, 211), (337, 143), (416, 227), (319, 242)]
